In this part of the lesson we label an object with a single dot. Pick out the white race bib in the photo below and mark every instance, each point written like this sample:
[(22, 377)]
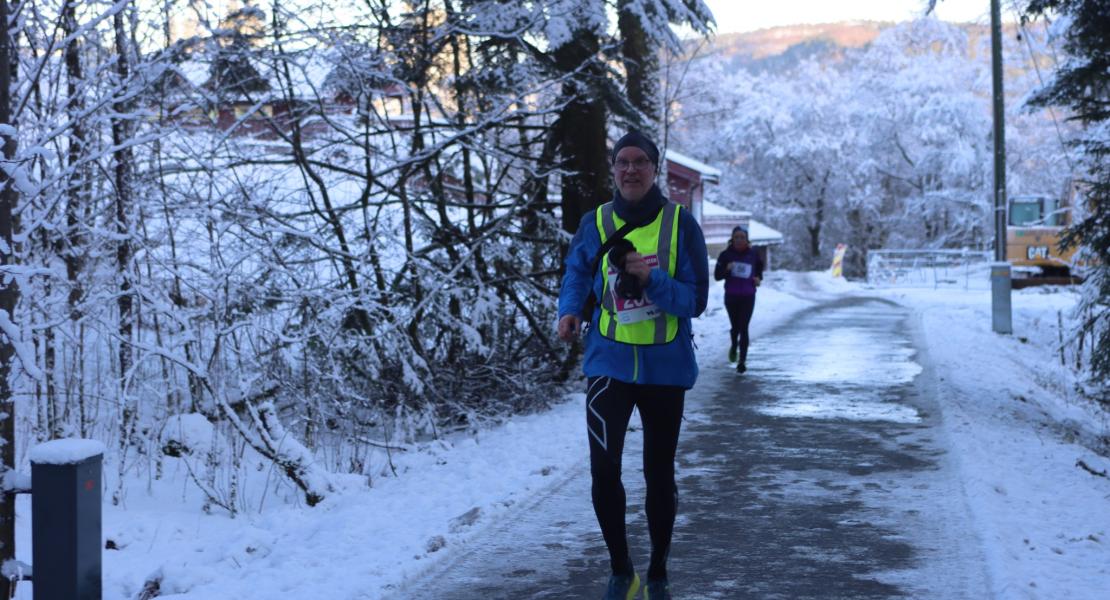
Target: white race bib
[(742, 270), (640, 309)]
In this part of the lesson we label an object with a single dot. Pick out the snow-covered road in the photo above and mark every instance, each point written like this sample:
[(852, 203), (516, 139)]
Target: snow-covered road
[(821, 473)]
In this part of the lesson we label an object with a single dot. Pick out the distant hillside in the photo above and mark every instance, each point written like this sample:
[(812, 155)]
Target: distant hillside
[(779, 48), (782, 47), (776, 40)]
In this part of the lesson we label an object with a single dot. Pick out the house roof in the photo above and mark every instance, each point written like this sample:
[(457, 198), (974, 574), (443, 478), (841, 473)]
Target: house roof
[(718, 221), (712, 209), (708, 173), (310, 74), (763, 235), (194, 71)]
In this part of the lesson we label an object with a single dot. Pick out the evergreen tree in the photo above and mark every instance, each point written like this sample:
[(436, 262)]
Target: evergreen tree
[(582, 46), (1081, 84), (644, 29), (233, 70), (580, 130)]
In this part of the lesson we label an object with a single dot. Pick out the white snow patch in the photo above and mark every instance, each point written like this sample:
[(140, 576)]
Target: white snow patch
[(853, 356), (1016, 427), (833, 408), (65, 452), (187, 433)]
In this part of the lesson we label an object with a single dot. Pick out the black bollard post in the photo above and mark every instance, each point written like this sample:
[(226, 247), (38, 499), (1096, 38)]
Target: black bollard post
[(66, 519)]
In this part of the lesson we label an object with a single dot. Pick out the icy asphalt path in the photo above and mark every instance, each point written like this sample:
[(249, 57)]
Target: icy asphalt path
[(821, 473)]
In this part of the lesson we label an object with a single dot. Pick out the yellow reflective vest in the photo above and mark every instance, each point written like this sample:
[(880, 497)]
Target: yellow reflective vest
[(639, 322)]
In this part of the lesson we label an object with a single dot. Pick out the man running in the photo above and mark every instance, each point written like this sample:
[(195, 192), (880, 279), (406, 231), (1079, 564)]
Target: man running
[(638, 348), (742, 269)]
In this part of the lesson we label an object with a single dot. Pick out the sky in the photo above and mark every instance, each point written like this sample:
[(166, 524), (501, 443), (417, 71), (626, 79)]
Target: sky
[(748, 15)]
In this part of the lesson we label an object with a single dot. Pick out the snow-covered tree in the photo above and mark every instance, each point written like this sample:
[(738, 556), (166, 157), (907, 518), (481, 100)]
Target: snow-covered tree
[(316, 236), (1081, 84), (887, 148)]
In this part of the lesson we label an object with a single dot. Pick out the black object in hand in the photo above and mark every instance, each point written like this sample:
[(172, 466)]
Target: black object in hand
[(627, 285)]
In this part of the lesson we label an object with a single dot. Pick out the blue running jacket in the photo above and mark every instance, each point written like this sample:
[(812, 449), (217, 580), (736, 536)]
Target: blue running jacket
[(683, 296)]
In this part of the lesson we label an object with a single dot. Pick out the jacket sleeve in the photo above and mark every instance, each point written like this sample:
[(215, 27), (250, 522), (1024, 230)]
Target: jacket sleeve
[(758, 266), (577, 280), (686, 294), (721, 270)]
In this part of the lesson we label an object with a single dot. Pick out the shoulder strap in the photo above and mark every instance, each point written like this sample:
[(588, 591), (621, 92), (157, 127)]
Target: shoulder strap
[(612, 241)]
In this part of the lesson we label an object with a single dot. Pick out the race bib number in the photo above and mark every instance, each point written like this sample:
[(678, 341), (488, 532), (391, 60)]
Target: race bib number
[(742, 270), (639, 309)]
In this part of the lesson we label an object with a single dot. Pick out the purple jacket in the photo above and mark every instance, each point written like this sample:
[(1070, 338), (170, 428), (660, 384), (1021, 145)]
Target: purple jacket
[(740, 282)]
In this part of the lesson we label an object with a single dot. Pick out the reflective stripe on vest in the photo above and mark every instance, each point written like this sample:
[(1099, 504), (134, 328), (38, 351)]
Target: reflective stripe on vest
[(660, 237)]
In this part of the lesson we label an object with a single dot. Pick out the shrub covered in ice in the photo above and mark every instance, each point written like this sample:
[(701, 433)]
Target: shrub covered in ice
[(184, 435)]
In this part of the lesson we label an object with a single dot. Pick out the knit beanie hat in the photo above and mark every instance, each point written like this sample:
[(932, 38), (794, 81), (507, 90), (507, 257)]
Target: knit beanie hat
[(639, 140)]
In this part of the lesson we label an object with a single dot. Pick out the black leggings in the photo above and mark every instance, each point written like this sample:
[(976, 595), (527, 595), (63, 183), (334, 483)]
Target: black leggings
[(740, 315), (609, 406)]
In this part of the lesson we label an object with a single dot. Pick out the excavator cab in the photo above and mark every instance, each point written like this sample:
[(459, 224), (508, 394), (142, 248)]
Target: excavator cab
[(1034, 225), (1035, 211)]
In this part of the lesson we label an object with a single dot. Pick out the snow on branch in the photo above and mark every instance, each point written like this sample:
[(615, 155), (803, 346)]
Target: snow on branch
[(23, 349), (15, 482), (291, 455)]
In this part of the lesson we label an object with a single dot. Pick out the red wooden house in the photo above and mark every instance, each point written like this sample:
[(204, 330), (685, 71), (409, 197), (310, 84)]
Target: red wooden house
[(686, 179)]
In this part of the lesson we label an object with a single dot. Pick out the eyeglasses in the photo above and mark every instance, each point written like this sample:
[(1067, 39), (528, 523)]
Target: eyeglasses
[(639, 164)]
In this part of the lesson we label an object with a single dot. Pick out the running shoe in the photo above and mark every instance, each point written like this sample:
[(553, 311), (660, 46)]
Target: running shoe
[(657, 590), (741, 367), (622, 587), (733, 354)]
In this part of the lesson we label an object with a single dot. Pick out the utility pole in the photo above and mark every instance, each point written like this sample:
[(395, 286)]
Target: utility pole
[(1001, 316)]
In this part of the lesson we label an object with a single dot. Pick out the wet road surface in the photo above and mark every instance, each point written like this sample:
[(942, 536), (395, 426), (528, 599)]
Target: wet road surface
[(820, 473)]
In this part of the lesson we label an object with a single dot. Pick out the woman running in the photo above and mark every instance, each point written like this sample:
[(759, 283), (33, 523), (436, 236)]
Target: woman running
[(742, 269)]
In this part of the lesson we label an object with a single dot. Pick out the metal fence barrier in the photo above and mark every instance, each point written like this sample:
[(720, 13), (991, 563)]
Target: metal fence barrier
[(966, 269)]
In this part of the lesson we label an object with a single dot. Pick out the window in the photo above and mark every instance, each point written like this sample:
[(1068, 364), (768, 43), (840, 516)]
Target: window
[(1024, 213)]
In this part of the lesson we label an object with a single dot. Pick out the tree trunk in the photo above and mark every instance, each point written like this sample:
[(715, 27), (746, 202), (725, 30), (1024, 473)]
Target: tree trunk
[(77, 179), (121, 135), (71, 248), (580, 134), (855, 260), (79, 208), (641, 65), (818, 222), (9, 292)]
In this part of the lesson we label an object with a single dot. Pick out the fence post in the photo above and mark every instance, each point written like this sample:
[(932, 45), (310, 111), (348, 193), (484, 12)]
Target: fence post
[(66, 488)]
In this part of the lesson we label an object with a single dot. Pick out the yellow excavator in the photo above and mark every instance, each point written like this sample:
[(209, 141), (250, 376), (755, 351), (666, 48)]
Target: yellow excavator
[(1034, 224)]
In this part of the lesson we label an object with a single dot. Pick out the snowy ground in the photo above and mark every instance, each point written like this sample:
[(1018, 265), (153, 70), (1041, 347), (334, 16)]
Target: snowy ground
[(1014, 428), (1018, 432)]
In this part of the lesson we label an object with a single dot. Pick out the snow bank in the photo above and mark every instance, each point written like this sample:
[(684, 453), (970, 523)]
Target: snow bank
[(359, 542), (1018, 433), (65, 452)]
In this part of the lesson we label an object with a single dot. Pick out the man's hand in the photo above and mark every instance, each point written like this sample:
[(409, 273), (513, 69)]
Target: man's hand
[(757, 280), (635, 264), (569, 326)]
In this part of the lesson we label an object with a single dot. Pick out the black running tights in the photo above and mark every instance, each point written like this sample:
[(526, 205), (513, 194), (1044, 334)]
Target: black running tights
[(739, 316), (609, 406)]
